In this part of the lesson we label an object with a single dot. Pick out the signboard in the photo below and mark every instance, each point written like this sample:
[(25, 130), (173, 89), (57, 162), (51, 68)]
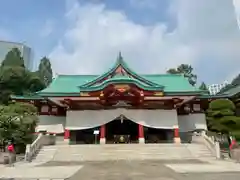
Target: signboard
[(96, 132), (122, 87)]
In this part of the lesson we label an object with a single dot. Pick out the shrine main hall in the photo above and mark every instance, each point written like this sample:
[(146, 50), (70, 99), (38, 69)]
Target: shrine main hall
[(120, 106)]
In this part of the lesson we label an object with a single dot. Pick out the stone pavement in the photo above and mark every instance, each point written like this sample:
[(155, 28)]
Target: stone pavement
[(124, 162), (54, 172), (148, 169), (127, 170)]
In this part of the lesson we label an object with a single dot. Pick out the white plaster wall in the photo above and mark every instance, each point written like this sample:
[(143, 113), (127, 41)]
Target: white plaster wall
[(164, 119), (54, 124), (192, 122)]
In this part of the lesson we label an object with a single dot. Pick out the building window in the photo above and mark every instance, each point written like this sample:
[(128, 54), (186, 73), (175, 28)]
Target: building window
[(44, 109), (54, 110), (196, 107)]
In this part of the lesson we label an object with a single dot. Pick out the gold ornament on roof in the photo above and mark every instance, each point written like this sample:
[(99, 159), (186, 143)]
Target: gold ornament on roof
[(84, 94), (158, 94), (101, 94), (122, 87)]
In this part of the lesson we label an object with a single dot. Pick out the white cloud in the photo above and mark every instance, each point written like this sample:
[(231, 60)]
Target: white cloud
[(236, 4), (144, 3), (48, 28), (96, 34)]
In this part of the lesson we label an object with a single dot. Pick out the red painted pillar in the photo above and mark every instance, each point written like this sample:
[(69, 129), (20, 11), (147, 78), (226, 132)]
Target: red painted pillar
[(67, 135), (176, 132), (176, 135), (102, 134), (141, 138)]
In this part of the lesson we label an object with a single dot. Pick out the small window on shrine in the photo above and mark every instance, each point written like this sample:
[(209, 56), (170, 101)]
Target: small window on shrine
[(196, 107), (54, 110), (44, 109)]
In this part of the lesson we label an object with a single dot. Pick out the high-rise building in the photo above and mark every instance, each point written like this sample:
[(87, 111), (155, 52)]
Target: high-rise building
[(215, 88), (26, 52)]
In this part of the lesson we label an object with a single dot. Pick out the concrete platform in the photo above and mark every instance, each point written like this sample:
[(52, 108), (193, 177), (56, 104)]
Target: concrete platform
[(55, 172)]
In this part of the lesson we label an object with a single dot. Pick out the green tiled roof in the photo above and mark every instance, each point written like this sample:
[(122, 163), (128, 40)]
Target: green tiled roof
[(232, 91), (121, 80), (72, 85), (67, 84), (208, 96), (30, 97), (122, 63), (172, 82)]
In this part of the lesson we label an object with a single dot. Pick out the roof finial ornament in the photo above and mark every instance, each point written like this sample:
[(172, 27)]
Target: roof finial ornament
[(120, 58)]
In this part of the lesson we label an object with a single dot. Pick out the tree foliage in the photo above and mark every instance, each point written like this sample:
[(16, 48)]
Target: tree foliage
[(235, 82), (45, 71), (17, 124), (13, 59), (18, 120), (187, 71), (15, 78), (221, 117), (203, 86)]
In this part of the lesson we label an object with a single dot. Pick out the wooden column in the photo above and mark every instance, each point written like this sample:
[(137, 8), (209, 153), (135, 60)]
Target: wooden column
[(176, 135), (102, 134), (67, 135), (141, 138)]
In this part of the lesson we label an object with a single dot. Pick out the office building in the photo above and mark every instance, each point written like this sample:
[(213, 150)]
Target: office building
[(26, 52), (215, 88)]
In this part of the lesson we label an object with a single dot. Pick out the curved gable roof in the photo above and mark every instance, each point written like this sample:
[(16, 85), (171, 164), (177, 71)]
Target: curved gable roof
[(121, 63)]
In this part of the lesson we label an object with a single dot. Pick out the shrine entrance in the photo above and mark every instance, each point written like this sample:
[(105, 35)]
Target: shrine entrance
[(121, 130)]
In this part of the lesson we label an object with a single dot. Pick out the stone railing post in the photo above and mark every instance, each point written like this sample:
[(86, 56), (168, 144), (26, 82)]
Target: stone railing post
[(31, 149), (212, 145), (217, 149)]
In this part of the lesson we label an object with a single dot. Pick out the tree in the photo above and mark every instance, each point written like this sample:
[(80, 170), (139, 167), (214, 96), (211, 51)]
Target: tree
[(17, 124), (16, 79), (13, 58), (45, 71), (187, 71), (221, 117), (203, 86), (236, 81)]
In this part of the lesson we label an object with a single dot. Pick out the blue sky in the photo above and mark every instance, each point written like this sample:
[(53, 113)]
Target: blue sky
[(84, 36)]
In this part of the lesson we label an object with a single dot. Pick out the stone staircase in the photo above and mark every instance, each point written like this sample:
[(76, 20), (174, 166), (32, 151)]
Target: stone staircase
[(199, 151), (124, 152), (45, 155), (63, 152)]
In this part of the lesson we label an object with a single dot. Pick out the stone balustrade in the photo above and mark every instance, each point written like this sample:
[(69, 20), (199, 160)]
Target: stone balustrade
[(42, 140), (235, 154), (212, 145)]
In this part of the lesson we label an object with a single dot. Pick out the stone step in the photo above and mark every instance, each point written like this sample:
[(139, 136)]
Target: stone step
[(122, 151)]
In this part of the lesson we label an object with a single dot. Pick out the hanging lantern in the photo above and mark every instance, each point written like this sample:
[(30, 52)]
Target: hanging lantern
[(121, 119)]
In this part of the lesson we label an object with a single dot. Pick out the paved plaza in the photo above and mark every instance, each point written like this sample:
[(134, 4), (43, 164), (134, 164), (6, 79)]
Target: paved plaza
[(124, 162), (154, 170), (127, 170)]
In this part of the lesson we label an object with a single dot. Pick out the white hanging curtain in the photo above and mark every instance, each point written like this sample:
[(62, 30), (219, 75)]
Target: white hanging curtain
[(160, 119), (86, 119)]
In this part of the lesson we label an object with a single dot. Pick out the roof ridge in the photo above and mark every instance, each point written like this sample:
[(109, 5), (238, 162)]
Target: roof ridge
[(77, 75), (166, 74)]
